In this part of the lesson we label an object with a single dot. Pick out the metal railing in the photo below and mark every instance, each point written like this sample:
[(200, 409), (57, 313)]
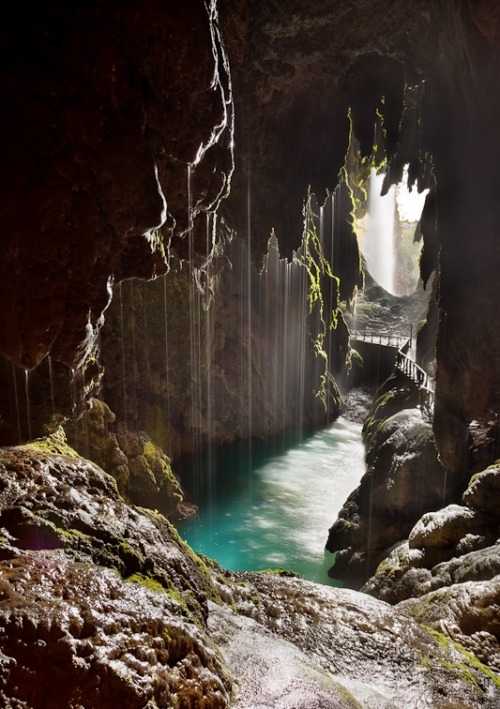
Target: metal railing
[(425, 383), (388, 339), (405, 364)]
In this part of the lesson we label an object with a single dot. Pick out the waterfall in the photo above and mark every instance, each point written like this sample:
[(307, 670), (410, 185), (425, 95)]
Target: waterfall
[(380, 241), (390, 250)]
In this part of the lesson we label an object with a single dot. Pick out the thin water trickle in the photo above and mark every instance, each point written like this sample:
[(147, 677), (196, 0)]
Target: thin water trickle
[(209, 352), (72, 383), (278, 514), (28, 405), (167, 375), (194, 330), (51, 382), (286, 315), (445, 485), (16, 397), (249, 311), (302, 347), (124, 367)]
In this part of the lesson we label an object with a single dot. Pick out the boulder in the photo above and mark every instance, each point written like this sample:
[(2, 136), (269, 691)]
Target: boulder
[(404, 478), (467, 613), (141, 469)]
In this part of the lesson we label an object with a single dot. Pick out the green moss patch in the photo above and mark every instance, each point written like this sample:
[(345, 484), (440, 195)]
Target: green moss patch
[(470, 669), (56, 444)]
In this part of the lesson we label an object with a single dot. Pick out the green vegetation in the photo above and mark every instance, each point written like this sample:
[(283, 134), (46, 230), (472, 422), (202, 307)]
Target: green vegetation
[(288, 573), (160, 583), (466, 670), (387, 567), (147, 581), (201, 563), (56, 444), (312, 257), (156, 465), (354, 356), (359, 168), (129, 554)]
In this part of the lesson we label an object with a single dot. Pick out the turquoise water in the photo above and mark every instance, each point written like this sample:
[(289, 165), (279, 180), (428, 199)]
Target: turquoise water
[(272, 505)]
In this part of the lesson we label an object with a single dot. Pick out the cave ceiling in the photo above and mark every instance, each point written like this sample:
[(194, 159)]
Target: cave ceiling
[(297, 69)]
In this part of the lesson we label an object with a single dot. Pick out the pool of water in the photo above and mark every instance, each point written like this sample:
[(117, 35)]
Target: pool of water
[(271, 505)]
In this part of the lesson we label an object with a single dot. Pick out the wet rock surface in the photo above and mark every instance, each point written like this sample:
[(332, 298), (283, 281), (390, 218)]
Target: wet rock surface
[(55, 501), (467, 613), (92, 169), (141, 469), (75, 634), (447, 574), (102, 604), (454, 544), (356, 404), (404, 479), (366, 654)]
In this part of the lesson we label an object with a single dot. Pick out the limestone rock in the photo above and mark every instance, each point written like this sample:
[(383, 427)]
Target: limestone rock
[(403, 573), (75, 634), (141, 469), (467, 613), (102, 603), (456, 544), (483, 491), (59, 501), (93, 165), (291, 125), (438, 534), (341, 633), (403, 479), (105, 595)]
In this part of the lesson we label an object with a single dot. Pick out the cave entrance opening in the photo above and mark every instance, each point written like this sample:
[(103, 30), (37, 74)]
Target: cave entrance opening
[(387, 227), (393, 302)]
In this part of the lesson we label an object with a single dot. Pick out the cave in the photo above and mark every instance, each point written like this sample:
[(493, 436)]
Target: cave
[(157, 160)]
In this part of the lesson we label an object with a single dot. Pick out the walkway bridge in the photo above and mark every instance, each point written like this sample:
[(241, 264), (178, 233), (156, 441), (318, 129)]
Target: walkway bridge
[(404, 362)]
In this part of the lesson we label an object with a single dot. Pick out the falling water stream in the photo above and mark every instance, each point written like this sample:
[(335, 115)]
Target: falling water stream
[(380, 233), (274, 508)]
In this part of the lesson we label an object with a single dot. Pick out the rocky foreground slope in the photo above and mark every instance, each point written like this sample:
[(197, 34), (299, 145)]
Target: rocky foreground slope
[(101, 604)]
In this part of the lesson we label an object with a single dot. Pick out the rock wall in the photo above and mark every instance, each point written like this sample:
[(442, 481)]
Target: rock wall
[(197, 369), (293, 90), (446, 574), (465, 148), (141, 469), (95, 176), (404, 479)]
